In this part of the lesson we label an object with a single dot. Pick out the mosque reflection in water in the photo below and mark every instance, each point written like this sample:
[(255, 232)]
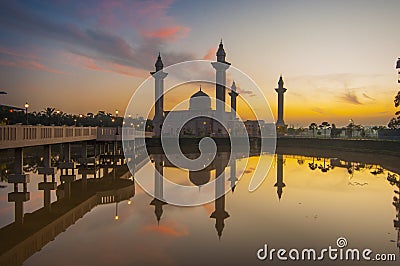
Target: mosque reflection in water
[(199, 178), (105, 179)]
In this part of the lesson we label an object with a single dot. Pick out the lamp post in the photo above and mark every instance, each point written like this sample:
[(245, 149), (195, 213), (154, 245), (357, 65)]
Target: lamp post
[(80, 119), (116, 217), (116, 122), (26, 112), (398, 69), (58, 117)]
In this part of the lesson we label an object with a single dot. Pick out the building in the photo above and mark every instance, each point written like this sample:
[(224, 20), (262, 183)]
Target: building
[(202, 120)]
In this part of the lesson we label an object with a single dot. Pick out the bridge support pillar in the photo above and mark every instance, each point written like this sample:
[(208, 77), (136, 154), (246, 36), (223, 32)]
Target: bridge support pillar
[(67, 152), (47, 185), (84, 150), (19, 197), (67, 177)]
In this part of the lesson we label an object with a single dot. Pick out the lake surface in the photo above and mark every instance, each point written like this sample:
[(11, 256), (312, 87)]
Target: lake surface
[(304, 202)]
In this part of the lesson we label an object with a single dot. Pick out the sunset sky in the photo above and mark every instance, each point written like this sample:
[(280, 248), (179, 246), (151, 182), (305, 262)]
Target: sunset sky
[(337, 57)]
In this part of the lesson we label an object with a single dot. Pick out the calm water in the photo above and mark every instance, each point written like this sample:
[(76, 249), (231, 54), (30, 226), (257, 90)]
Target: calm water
[(304, 202)]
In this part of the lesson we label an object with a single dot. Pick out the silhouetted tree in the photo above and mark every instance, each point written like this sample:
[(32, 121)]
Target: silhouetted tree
[(313, 127), (394, 123), (324, 125)]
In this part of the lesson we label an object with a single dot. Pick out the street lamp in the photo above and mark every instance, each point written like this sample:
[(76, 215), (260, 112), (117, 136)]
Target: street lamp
[(116, 122), (26, 112), (116, 217), (58, 117)]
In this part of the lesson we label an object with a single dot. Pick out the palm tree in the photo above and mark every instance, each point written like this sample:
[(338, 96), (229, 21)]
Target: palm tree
[(394, 123), (49, 111), (313, 126), (325, 125), (397, 100)]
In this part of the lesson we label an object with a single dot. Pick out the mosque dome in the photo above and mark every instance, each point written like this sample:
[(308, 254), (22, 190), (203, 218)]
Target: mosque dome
[(200, 101)]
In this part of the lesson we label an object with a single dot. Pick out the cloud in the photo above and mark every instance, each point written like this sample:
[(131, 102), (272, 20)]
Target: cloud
[(170, 230), (10, 52), (104, 66), (147, 21), (29, 65), (349, 97), (168, 33), (13, 58), (244, 91), (210, 55), (368, 97), (318, 110)]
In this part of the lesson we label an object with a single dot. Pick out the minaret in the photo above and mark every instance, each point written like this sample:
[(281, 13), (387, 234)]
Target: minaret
[(233, 177), (280, 90), (279, 176), (220, 67), (219, 214), (233, 95), (159, 76), (158, 201)]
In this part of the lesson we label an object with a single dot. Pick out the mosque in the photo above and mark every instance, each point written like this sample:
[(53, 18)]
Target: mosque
[(205, 118)]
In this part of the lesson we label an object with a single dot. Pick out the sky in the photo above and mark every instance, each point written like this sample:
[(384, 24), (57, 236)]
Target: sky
[(337, 58)]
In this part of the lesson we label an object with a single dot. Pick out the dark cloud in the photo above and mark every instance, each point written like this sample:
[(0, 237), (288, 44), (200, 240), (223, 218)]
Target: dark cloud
[(244, 91), (368, 97), (92, 42), (349, 97)]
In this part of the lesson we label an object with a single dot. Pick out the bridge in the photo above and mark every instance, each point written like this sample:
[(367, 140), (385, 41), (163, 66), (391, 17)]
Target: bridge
[(75, 197), (20, 136)]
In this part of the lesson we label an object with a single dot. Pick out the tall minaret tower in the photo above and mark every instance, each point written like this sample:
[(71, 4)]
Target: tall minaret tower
[(159, 75), (233, 95), (280, 90), (220, 67)]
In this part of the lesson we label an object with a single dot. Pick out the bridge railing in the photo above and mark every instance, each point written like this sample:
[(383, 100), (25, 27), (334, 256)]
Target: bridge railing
[(111, 134), (22, 135), (14, 136)]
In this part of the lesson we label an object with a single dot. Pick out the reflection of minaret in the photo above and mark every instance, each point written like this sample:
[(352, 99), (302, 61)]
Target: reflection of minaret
[(159, 76), (220, 67), (280, 90), (158, 201), (279, 176), (233, 177), (219, 213)]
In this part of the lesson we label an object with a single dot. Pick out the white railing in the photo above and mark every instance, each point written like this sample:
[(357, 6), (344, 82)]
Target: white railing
[(13, 136), (109, 134)]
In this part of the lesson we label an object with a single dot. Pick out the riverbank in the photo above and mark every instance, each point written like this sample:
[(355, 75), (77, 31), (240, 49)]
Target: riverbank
[(375, 147)]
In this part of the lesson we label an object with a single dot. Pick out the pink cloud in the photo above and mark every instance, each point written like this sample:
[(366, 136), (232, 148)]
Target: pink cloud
[(148, 18), (27, 61), (168, 33), (9, 52), (104, 66), (210, 55), (170, 230), (33, 65)]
